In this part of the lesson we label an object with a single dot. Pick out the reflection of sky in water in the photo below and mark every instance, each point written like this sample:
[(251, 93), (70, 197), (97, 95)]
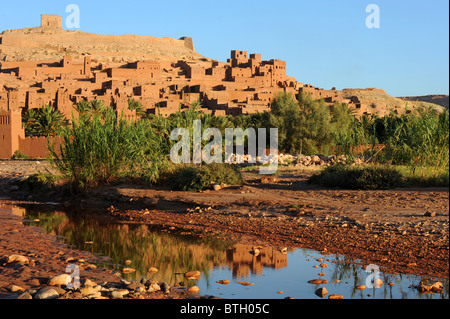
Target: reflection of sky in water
[(270, 270)]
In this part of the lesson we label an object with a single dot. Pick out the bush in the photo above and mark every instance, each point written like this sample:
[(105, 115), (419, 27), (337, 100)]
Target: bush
[(359, 177), (192, 178), (20, 155), (102, 148), (42, 182)]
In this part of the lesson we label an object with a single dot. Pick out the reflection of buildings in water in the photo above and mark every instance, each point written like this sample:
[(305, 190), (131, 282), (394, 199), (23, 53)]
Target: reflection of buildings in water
[(242, 261), (15, 210)]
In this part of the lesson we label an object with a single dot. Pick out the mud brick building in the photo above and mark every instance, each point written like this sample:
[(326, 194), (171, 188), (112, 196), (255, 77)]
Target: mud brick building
[(245, 84)]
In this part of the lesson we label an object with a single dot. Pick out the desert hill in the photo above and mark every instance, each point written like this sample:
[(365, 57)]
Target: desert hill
[(379, 102), (42, 43), (442, 100)]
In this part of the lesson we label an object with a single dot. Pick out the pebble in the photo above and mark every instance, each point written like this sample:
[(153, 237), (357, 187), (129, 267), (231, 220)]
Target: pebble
[(165, 287), (321, 292), (335, 296), (245, 283), (47, 293), (86, 291), (192, 275), (154, 287), (194, 289), (152, 270), (15, 288), (116, 295), (60, 280), (378, 283), (223, 282), (361, 287), (128, 270), (25, 295), (17, 258)]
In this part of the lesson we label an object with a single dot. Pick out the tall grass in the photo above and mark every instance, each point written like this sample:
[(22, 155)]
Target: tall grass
[(103, 148)]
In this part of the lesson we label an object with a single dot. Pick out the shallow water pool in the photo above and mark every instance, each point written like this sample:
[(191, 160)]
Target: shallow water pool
[(261, 273)]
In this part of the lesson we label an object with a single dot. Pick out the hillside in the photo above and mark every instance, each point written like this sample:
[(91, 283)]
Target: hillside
[(377, 101), (40, 44), (442, 100)]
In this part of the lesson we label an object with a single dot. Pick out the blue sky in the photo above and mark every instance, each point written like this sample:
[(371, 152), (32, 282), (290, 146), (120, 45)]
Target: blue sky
[(325, 43)]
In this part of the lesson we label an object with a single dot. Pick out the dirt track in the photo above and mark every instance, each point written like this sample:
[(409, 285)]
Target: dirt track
[(386, 228)]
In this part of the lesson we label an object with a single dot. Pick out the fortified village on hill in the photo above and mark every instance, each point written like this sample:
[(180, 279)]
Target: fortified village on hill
[(245, 84)]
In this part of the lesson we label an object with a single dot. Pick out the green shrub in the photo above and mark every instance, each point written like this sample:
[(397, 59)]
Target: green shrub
[(20, 155), (359, 177), (192, 178), (42, 181)]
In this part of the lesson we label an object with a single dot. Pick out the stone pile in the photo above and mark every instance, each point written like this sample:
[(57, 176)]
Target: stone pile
[(57, 288), (63, 286), (299, 160)]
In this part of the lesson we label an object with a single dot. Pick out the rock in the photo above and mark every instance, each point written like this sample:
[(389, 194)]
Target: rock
[(192, 275), (245, 283), (217, 187), (15, 288), (321, 292), (88, 282), (335, 296), (116, 295), (378, 283), (87, 290), (165, 287), (140, 289), (25, 295), (430, 288), (437, 287), (194, 289), (430, 214), (154, 287), (361, 287), (17, 258), (47, 293), (95, 295), (60, 280), (134, 285), (223, 282), (128, 270), (317, 281), (152, 270)]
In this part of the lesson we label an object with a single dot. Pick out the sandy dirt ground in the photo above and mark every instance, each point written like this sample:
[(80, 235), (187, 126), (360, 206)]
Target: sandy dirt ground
[(402, 230)]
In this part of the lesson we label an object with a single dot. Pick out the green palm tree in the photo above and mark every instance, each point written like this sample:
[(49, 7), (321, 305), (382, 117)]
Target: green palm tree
[(30, 122), (135, 105), (50, 121), (43, 122)]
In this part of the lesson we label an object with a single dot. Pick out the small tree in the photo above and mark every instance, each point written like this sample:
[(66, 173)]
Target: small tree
[(43, 122)]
